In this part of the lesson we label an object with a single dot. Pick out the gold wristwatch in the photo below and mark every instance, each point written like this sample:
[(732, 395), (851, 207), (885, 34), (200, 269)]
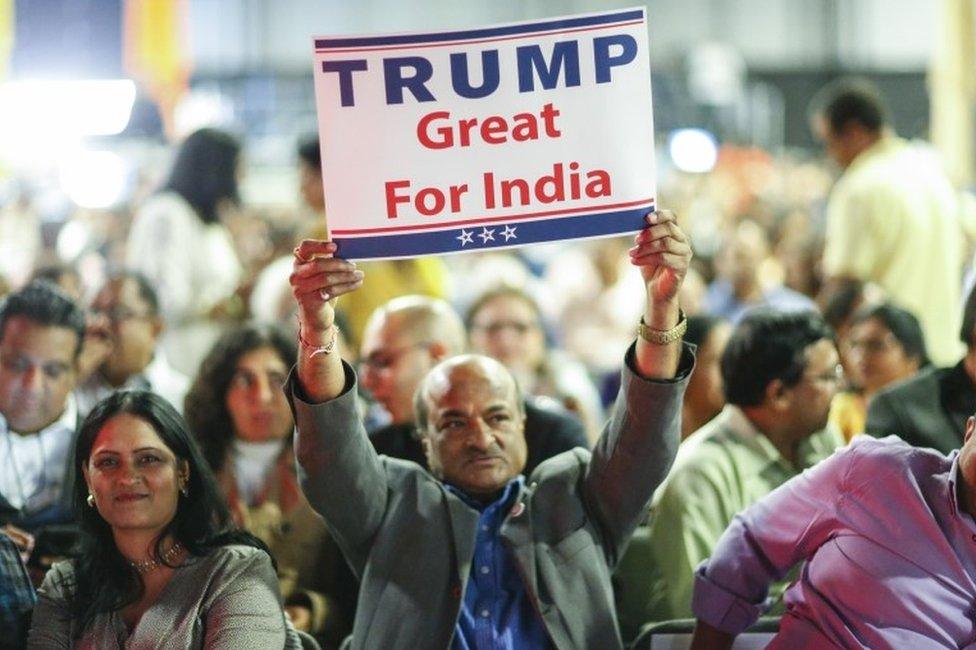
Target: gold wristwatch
[(663, 337)]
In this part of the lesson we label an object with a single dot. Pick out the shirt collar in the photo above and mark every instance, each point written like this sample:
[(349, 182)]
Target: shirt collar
[(739, 424), (508, 495), (953, 495)]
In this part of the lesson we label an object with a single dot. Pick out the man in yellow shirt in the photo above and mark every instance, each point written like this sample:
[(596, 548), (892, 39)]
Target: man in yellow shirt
[(893, 218)]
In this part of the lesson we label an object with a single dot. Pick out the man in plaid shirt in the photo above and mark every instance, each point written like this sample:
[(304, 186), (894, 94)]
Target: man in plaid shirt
[(16, 596)]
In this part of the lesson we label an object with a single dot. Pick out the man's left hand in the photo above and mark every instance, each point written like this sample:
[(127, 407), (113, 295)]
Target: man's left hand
[(663, 253)]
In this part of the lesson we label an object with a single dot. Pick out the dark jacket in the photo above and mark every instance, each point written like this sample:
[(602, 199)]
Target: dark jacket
[(928, 410)]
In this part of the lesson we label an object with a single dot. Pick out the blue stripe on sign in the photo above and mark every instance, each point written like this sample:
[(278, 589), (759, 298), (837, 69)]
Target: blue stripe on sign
[(509, 30), (491, 236)]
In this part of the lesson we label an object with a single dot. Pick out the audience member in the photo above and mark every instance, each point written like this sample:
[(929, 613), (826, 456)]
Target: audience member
[(17, 595), (886, 346), (64, 277), (407, 337), (178, 241), (506, 324), (892, 208), (549, 582), (159, 562), (705, 397), (740, 284), (884, 531), (931, 408), (780, 372), (239, 416), (127, 342), (41, 331)]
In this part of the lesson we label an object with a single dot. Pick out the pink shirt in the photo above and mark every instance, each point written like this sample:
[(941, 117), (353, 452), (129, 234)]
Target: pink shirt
[(891, 560)]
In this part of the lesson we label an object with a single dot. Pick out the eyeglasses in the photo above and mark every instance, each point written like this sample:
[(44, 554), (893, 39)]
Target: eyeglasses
[(497, 327), (871, 346), (385, 359), (834, 375), (120, 313)]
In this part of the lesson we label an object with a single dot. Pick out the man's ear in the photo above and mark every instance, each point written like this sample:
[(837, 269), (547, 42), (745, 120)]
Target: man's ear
[(438, 351), (970, 427), (777, 394), (157, 325)]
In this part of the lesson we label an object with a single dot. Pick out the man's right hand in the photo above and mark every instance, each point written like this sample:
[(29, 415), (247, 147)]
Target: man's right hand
[(317, 279)]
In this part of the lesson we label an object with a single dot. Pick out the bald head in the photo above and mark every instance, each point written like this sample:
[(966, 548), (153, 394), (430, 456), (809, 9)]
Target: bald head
[(460, 371), (404, 339), (422, 318)]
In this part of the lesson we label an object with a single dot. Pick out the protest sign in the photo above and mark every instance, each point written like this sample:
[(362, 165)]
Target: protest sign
[(473, 139)]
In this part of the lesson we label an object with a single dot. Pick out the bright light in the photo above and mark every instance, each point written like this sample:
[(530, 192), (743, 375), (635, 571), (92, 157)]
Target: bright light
[(693, 150), (76, 108), (94, 179)]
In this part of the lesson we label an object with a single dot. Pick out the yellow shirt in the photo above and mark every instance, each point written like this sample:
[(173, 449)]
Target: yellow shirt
[(895, 219), (848, 413)]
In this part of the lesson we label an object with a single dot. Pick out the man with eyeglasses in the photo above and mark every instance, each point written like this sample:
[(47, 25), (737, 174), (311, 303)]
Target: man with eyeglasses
[(124, 347), (407, 337), (780, 372), (473, 554), (41, 333)]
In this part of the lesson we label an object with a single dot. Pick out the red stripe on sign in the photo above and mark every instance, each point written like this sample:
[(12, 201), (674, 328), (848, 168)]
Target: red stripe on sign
[(483, 40), (516, 217)]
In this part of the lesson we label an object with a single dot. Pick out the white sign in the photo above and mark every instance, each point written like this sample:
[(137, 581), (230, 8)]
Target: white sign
[(500, 136)]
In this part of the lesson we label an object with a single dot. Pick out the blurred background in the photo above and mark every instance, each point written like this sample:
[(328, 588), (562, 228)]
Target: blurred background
[(95, 94)]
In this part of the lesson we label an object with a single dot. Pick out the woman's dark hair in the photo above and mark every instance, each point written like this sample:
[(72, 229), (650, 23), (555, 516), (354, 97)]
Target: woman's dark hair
[(206, 404), (903, 326), (104, 579), (205, 171), (766, 345)]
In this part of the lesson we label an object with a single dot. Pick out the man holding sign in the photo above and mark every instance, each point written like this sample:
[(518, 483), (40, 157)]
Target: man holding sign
[(476, 555)]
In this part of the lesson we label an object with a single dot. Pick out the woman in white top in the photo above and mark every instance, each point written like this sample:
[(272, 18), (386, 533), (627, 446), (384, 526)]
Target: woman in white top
[(177, 240), (160, 565)]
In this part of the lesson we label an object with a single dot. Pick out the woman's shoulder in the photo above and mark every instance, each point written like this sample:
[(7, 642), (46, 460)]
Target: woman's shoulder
[(235, 559)]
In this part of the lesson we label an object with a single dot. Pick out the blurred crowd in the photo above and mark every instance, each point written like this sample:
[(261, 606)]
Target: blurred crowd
[(184, 292)]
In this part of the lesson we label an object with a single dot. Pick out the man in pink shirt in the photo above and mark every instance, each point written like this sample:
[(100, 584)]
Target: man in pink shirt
[(888, 535)]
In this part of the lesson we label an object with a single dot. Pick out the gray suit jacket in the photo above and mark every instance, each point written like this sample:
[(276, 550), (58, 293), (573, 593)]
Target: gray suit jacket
[(411, 541)]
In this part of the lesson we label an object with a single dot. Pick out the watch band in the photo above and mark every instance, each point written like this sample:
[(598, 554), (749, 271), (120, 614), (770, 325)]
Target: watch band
[(663, 337)]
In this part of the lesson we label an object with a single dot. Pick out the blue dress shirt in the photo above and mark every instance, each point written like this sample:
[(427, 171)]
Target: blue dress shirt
[(497, 613)]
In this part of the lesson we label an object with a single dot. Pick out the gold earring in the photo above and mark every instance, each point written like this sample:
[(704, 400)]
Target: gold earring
[(90, 500)]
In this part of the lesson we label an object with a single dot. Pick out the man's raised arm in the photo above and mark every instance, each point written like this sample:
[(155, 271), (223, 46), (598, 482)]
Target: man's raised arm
[(317, 279)]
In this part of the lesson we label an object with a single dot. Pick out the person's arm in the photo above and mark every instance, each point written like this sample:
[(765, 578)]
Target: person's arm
[(246, 611), (332, 447), (51, 622), (639, 442), (687, 521), (765, 541)]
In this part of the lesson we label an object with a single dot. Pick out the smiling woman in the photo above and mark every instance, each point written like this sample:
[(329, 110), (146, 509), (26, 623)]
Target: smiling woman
[(159, 562)]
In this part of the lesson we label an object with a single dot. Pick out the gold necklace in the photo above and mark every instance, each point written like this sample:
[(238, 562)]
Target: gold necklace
[(145, 566)]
